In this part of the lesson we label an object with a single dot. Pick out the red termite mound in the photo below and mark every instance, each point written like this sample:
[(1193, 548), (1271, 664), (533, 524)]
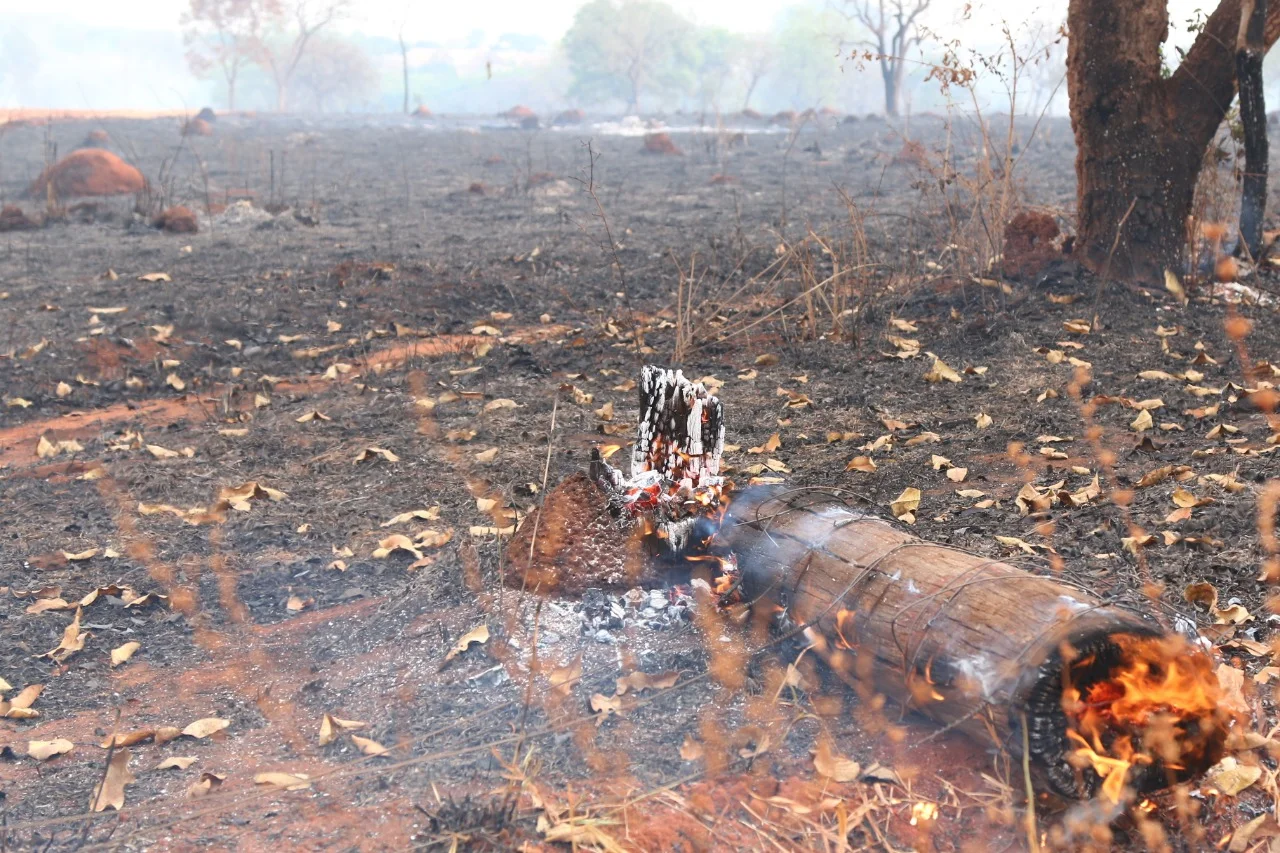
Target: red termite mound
[(1029, 244), (197, 127), (520, 112), (569, 117), (89, 171), (422, 112), (660, 143), (177, 220)]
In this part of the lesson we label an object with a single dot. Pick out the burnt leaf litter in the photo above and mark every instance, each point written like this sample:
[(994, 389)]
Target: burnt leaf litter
[(256, 482)]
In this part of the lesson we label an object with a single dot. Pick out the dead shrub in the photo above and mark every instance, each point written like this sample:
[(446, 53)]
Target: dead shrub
[(95, 139), (1029, 244), (86, 172), (751, 115), (566, 117), (177, 220), (785, 117), (207, 114), (478, 188), (719, 180), (660, 143)]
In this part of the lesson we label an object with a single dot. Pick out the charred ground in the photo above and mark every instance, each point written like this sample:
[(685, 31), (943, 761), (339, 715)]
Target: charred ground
[(414, 265)]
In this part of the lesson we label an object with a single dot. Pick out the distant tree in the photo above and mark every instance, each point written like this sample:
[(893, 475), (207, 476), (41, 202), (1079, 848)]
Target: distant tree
[(336, 74), (806, 69), (225, 36), (756, 58), (717, 52), (893, 29), (294, 26), (623, 49)]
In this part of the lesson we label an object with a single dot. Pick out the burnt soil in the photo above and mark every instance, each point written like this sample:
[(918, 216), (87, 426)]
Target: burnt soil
[(386, 265)]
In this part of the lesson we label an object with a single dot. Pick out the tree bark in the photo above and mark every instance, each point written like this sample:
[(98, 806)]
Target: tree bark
[(890, 91), (1253, 115), (1141, 137), (972, 643)]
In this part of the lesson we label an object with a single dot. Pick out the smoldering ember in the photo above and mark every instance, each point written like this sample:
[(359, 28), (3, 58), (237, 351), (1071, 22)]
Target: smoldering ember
[(799, 426)]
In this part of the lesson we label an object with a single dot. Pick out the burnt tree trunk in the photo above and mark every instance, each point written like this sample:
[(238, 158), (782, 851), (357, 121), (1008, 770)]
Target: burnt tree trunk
[(1250, 51), (1141, 136)]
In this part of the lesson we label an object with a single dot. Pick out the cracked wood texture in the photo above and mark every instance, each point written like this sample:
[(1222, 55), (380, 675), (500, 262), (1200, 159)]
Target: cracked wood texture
[(959, 637)]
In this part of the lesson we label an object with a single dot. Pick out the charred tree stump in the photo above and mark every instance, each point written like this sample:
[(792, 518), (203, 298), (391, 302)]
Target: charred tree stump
[(974, 644)]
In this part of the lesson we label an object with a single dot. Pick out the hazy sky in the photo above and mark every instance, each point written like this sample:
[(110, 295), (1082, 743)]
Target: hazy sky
[(443, 21)]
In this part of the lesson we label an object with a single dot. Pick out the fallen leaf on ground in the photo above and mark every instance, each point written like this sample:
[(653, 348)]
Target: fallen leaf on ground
[(121, 654), (690, 749), (46, 448), (396, 542), (832, 765), (368, 746), (1231, 777), (312, 416), (906, 503), (206, 784), (941, 371), (331, 727), (431, 514), (478, 634), (374, 452), (43, 750), (176, 762), (605, 706), (983, 420), (202, 728), (284, 781), (504, 403), (72, 641), (109, 793), (861, 463), (639, 681)]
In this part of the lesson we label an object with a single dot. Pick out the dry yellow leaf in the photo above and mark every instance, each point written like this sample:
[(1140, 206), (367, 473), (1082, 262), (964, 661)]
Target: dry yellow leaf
[(906, 503), (109, 793), (202, 728), (331, 727), (431, 514), (43, 750), (375, 452), (861, 463), (940, 371), (478, 634), (176, 762), (368, 746), (639, 681), (121, 654), (983, 420), (284, 781), (957, 475), (1142, 422), (396, 542), (832, 765)]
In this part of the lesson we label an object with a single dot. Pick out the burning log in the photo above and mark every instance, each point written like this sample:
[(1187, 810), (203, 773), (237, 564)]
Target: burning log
[(1107, 699), (1097, 698)]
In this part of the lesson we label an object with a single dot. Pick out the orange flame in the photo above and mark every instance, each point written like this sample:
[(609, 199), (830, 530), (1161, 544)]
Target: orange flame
[(1158, 702)]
